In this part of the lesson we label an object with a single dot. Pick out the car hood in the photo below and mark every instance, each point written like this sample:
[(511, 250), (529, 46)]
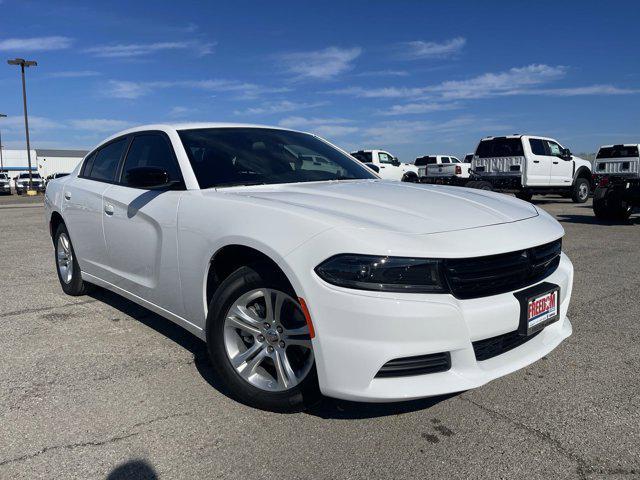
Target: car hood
[(392, 206)]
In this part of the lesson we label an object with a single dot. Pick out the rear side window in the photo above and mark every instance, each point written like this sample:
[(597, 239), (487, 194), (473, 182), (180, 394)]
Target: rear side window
[(446, 160), (422, 161), (105, 162), (364, 157), (618, 151), (151, 150), (500, 147), (537, 146)]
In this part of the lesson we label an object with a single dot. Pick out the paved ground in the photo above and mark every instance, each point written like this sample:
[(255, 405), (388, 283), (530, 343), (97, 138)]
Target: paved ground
[(97, 387)]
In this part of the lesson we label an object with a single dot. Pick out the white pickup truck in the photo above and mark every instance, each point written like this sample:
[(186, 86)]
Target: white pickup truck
[(387, 166), (442, 169), (529, 165), (617, 176)]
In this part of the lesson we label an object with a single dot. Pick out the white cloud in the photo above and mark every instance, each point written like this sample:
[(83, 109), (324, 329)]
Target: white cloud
[(16, 123), (425, 107), (382, 73), (35, 44), (141, 49), (74, 74), (419, 49), (320, 64), (180, 112), (99, 124), (278, 107), (481, 86), (325, 127), (132, 90), (577, 91)]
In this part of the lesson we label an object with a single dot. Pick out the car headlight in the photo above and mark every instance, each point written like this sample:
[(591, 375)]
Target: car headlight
[(385, 274)]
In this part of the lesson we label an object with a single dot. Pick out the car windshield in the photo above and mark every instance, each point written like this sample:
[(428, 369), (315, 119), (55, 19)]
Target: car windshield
[(500, 147), (618, 151), (364, 157), (26, 175), (225, 157)]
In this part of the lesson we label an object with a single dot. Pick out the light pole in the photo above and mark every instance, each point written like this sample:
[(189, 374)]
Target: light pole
[(25, 63), (2, 115)]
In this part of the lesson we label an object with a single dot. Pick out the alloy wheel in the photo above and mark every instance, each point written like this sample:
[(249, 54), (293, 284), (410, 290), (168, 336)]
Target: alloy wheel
[(65, 258), (267, 340)]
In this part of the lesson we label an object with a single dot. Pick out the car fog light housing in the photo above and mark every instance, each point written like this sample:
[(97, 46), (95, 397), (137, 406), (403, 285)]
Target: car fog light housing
[(384, 274)]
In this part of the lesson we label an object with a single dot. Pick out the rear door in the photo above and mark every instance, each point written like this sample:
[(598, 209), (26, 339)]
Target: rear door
[(82, 206), (140, 226), (561, 169), (538, 164)]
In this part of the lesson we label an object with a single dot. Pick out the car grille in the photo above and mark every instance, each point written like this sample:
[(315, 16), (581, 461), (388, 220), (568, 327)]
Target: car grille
[(420, 365), (494, 346), (495, 274)]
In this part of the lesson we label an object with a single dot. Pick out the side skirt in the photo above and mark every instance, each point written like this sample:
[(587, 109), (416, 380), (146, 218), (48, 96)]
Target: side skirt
[(192, 328)]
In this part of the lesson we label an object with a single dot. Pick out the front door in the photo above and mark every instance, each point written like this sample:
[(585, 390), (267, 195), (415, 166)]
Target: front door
[(140, 227), (561, 169), (387, 169)]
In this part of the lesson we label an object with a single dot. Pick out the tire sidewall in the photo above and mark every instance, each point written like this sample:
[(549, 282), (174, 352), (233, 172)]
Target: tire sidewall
[(238, 283), (576, 190), (76, 286)]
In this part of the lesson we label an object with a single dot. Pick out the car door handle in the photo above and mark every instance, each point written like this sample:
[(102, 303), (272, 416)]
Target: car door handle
[(108, 209), (536, 161), (382, 166), (67, 195), (555, 163)]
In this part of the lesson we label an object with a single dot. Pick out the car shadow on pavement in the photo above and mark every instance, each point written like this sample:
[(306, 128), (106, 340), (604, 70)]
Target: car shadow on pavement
[(327, 408), (332, 408), (592, 220), (133, 470)]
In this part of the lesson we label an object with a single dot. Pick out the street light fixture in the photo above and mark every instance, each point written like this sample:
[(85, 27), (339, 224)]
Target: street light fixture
[(2, 115), (25, 63)]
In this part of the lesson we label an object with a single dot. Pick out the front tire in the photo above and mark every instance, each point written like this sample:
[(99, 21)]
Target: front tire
[(67, 266), (259, 343), (580, 190), (410, 177), (483, 185)]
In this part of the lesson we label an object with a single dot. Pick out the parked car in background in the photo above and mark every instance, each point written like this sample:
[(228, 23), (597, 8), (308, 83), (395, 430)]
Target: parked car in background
[(5, 184), (442, 169), (388, 166), (617, 176), (22, 183), (53, 177), (529, 165), (305, 280)]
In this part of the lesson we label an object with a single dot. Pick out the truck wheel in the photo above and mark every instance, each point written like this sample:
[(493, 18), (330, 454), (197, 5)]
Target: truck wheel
[(482, 185), (609, 205), (410, 177), (580, 190), (524, 195)]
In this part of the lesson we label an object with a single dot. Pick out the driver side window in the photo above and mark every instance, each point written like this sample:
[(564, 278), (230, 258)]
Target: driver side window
[(151, 150), (554, 149), (385, 158)]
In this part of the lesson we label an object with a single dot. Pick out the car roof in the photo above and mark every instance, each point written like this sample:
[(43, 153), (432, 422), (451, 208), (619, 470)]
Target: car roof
[(621, 145)]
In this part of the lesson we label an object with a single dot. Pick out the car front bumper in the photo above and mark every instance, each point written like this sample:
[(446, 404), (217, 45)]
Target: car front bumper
[(357, 332)]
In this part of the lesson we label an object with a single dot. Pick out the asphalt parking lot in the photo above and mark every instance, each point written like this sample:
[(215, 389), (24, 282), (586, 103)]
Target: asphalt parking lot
[(97, 387)]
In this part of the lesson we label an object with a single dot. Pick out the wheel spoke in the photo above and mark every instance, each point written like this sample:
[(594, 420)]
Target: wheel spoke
[(295, 332), (300, 342), (244, 319), (251, 365), (243, 357), (286, 375)]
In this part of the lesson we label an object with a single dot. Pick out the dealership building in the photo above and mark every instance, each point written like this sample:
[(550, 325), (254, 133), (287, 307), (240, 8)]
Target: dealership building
[(45, 161)]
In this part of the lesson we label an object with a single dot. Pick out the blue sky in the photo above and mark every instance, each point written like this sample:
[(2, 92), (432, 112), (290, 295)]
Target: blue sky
[(411, 77)]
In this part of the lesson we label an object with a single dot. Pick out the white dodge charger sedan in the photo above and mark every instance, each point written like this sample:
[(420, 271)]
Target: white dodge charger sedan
[(303, 271)]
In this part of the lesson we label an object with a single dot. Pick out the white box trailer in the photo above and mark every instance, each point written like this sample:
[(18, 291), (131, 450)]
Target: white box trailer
[(51, 161)]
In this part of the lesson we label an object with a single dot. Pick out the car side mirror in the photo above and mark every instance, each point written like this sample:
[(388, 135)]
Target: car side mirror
[(566, 154), (395, 162), (147, 177), (373, 167)]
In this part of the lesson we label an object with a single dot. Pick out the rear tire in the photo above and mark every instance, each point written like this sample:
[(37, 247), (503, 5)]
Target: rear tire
[(483, 185), (257, 368), (580, 190), (524, 195), (609, 205), (410, 177), (67, 266)]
